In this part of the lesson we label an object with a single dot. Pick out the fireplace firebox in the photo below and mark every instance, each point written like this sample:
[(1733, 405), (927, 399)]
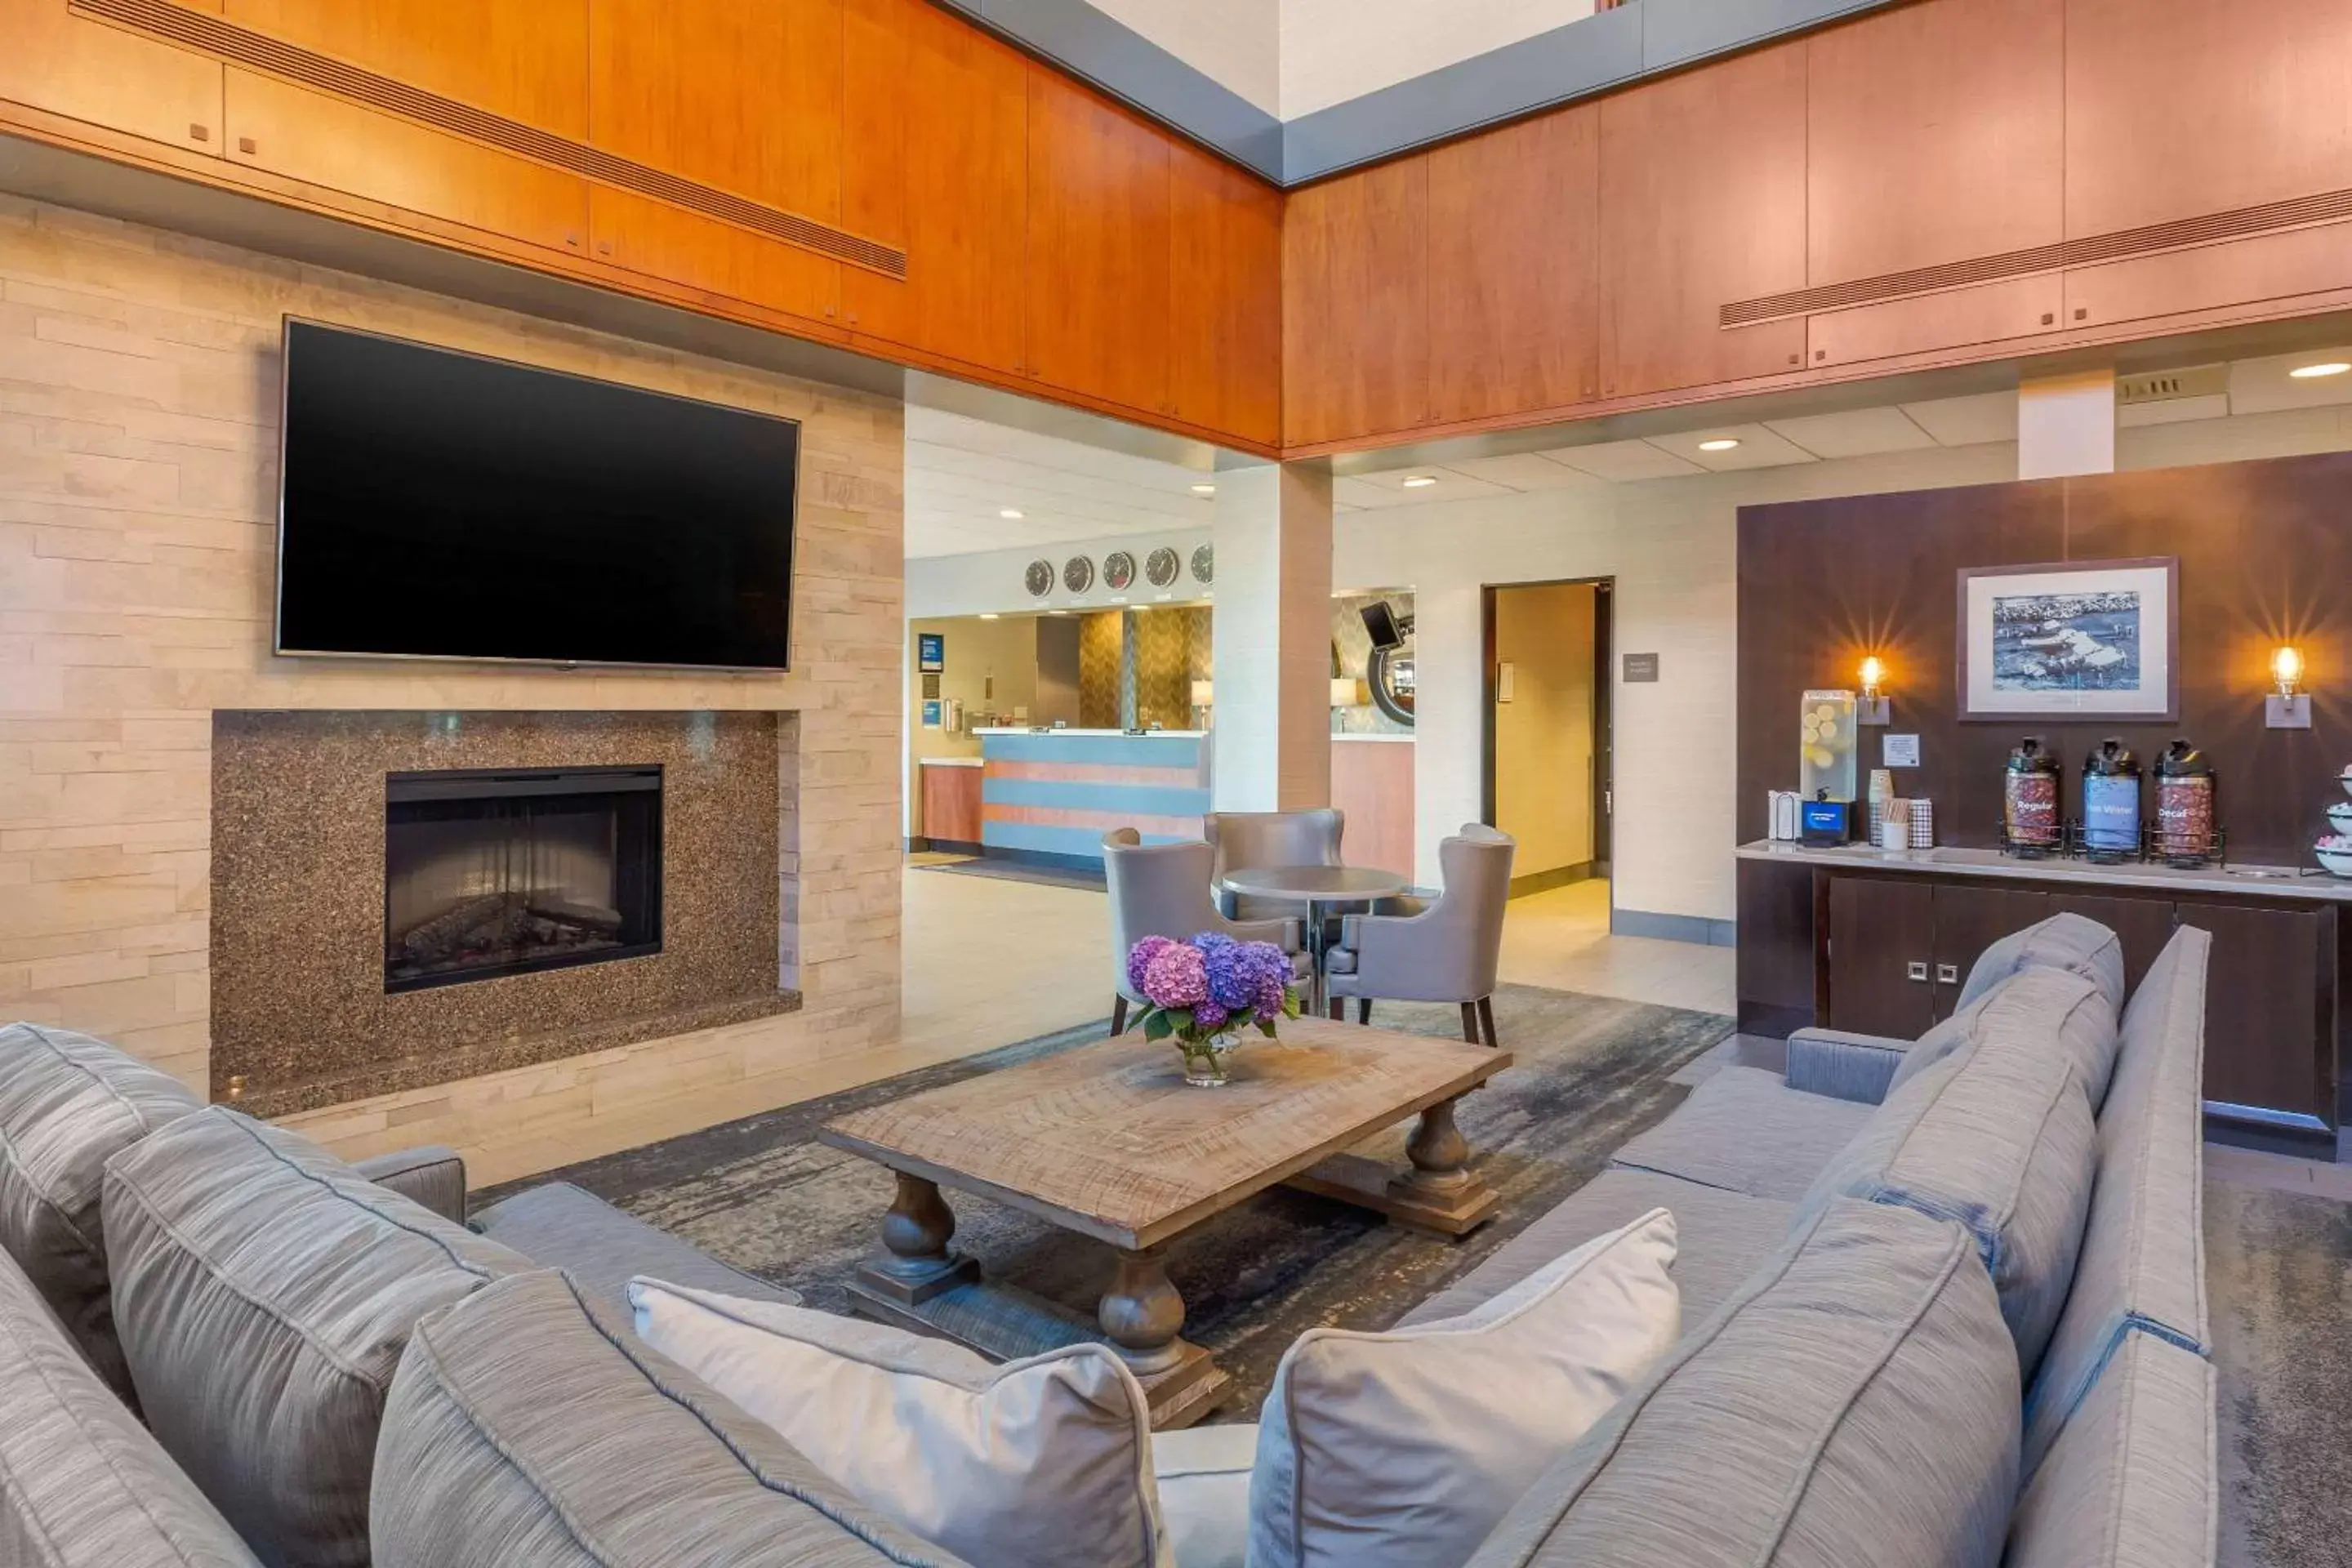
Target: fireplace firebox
[(504, 872)]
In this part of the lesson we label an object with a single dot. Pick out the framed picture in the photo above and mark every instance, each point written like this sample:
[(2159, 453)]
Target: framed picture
[(930, 651), (2088, 639)]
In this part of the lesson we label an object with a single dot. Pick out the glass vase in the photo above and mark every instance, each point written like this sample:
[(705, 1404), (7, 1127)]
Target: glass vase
[(1205, 1060)]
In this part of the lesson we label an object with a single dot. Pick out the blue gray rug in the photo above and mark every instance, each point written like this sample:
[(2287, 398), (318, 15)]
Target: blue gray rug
[(1589, 1073)]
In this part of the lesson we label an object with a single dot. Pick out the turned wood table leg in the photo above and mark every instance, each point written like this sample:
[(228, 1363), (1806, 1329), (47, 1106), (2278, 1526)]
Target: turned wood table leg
[(1438, 1152), (1441, 1193), (914, 1264), (1142, 1313)]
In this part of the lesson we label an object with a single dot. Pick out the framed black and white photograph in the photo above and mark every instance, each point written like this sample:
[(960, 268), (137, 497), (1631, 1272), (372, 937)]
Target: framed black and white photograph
[(2082, 639)]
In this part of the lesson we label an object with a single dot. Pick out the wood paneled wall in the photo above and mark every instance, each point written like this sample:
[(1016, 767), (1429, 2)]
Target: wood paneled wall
[(1054, 242), (1931, 184), (1935, 182), (2263, 554)]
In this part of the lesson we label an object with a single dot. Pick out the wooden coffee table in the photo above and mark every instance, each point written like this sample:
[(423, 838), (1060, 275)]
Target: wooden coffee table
[(1108, 1141)]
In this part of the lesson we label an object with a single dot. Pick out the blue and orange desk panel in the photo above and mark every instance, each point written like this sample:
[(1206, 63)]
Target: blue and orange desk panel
[(1059, 792)]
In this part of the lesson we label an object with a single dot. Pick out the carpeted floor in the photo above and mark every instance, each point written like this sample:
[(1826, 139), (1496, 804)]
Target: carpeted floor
[(1589, 1073), (2278, 1268)]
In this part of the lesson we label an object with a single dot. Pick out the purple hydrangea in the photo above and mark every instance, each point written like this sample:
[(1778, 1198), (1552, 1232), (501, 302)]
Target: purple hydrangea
[(1209, 1016), (1175, 977), (1139, 957)]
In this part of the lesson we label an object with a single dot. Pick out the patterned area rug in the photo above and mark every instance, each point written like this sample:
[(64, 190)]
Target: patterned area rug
[(2278, 1268), (1589, 1073)]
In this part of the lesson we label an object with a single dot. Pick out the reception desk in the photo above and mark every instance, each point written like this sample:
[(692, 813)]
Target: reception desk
[(1053, 793)]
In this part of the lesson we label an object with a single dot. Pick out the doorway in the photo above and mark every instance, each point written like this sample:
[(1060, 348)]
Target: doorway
[(1549, 755)]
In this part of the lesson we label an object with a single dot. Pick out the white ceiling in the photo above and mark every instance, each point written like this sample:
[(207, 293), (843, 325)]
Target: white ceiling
[(963, 473)]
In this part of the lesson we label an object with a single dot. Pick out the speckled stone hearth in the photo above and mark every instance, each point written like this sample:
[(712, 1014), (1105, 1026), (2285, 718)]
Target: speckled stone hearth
[(300, 1013)]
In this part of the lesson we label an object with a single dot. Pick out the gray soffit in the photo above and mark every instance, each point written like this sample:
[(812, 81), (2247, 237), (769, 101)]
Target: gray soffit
[(1577, 59)]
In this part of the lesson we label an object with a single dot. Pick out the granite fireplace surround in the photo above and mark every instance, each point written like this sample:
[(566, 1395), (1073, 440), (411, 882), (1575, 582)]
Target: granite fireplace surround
[(301, 1015)]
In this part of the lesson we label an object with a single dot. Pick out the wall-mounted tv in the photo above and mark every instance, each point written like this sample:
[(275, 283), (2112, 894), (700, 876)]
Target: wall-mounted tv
[(441, 505)]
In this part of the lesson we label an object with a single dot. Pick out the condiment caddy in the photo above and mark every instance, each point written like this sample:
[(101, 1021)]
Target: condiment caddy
[(2334, 851)]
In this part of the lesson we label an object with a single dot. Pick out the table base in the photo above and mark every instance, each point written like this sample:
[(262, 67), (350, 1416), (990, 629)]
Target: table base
[(1006, 1322), (1373, 1184)]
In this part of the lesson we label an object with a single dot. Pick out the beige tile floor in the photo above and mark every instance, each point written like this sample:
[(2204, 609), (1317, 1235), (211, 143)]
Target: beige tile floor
[(1560, 939)]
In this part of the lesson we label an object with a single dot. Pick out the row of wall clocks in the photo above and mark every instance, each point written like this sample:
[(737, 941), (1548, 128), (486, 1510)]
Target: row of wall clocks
[(1160, 569)]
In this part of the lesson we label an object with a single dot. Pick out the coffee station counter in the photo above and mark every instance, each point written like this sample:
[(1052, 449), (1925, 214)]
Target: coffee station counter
[(1880, 941)]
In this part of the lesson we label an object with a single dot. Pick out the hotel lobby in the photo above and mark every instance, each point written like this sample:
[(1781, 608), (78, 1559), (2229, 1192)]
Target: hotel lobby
[(1235, 784)]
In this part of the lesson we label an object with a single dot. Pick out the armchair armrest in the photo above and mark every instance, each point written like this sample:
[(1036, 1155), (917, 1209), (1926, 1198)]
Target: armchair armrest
[(1404, 906), (1844, 1066), (431, 1175)]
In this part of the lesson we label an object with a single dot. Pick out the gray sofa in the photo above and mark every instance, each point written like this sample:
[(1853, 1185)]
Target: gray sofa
[(1944, 1301), (1827, 1406), (215, 1337)]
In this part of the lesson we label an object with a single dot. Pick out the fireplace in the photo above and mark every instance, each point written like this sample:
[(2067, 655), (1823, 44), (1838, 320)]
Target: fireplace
[(505, 871)]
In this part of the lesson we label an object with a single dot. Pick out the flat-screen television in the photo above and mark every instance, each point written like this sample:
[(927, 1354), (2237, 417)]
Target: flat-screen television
[(441, 505), (1380, 624)]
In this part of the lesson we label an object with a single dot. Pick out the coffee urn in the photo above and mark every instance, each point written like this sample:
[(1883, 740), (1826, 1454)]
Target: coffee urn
[(2184, 806), (2029, 800), (2111, 804)]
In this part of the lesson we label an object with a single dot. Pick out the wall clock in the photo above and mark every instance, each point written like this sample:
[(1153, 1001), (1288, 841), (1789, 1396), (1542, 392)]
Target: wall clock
[(1119, 571), (1039, 578), (1161, 566), (1078, 575), (1204, 564)]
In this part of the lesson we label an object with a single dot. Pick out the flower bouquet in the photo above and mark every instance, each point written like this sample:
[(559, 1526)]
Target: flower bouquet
[(1203, 992)]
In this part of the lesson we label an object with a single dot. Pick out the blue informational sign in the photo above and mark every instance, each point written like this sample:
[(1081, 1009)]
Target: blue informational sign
[(931, 713), (930, 652)]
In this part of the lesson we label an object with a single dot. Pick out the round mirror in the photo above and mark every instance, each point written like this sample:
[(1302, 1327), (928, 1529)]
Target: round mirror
[(1389, 672)]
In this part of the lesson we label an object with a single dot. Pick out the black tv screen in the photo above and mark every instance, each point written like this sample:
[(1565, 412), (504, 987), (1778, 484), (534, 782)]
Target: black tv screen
[(441, 505)]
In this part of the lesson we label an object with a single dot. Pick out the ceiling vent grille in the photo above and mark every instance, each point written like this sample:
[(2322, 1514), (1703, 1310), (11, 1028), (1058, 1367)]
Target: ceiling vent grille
[(206, 33), (2169, 386)]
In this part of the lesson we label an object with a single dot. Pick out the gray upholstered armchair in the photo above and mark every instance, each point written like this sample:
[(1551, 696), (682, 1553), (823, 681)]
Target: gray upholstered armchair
[(1162, 889), (1241, 840), (1445, 951)]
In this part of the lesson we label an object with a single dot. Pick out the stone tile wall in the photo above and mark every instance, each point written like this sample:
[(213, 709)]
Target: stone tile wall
[(139, 382)]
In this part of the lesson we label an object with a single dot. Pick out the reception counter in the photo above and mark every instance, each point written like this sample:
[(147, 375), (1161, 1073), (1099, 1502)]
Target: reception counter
[(1053, 793)]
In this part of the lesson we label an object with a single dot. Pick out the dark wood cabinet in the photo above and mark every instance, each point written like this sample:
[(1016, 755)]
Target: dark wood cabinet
[(1882, 955), (1886, 953), (1969, 919), (2145, 925), (2270, 1013)]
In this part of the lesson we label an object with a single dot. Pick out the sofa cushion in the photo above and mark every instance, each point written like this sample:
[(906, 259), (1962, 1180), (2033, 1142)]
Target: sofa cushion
[(522, 1430), (1044, 1462), (2070, 943), (563, 1226), (67, 1103), (1404, 1449), (264, 1292), (1721, 1238), (430, 1173), (1204, 1483), (1745, 1131), (83, 1485), (2143, 1260), (2072, 1013), (1856, 1403), (2131, 1481), (1998, 1136)]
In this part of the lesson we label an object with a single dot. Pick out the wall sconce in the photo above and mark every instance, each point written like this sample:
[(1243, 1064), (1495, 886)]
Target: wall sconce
[(1203, 692), (2288, 707), (1873, 708), (1347, 692)]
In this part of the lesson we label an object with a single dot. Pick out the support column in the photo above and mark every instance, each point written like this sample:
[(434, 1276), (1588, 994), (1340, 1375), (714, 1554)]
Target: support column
[(2066, 425), (1272, 632)]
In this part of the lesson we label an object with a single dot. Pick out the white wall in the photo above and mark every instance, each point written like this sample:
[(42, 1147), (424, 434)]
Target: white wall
[(991, 581), (1333, 51), (1234, 43), (1670, 544)]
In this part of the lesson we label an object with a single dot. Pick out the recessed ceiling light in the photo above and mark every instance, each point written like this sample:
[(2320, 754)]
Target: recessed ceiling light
[(988, 614), (1720, 443), (1010, 513), (1204, 489), (1058, 612), (1419, 481), (2313, 371)]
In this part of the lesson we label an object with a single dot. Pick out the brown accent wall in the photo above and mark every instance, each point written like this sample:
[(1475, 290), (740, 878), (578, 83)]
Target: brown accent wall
[(2264, 558)]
